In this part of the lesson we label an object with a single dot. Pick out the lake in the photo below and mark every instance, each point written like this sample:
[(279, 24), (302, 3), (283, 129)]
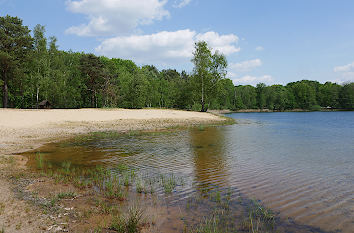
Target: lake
[(299, 164)]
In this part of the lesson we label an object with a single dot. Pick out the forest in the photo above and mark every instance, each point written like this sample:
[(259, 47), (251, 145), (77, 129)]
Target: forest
[(32, 69)]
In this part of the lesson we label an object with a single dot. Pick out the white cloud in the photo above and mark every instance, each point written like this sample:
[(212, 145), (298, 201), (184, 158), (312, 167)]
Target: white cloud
[(345, 68), (165, 48), (259, 48), (253, 80), (245, 66), (113, 17), (181, 3), (222, 43), (346, 73)]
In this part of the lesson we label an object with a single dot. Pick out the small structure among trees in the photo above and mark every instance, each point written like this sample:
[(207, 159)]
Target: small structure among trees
[(45, 104)]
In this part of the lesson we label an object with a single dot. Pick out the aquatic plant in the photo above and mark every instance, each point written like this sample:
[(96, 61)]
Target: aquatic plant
[(259, 218), (66, 167), (168, 183), (201, 127), (130, 223), (126, 179), (139, 185), (261, 212), (210, 225), (39, 160), (122, 168)]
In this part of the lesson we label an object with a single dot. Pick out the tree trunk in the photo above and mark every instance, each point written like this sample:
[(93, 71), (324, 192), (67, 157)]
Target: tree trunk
[(92, 99), (5, 94), (203, 106), (37, 97), (203, 102)]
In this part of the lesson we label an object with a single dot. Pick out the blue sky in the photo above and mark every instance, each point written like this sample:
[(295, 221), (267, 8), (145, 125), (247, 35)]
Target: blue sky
[(273, 41)]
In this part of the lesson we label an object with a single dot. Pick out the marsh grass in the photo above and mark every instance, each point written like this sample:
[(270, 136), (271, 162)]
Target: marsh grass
[(126, 179), (221, 213), (66, 195), (130, 223), (66, 167), (112, 184), (201, 127), (209, 225), (39, 160), (169, 183), (110, 181), (139, 185), (260, 218)]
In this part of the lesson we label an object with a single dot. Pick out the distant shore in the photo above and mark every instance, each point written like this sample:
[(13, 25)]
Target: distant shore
[(227, 111)]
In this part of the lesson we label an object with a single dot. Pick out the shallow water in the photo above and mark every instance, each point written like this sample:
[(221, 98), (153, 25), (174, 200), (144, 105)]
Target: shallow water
[(300, 164)]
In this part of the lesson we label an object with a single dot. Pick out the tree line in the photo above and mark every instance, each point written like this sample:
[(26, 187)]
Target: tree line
[(32, 69)]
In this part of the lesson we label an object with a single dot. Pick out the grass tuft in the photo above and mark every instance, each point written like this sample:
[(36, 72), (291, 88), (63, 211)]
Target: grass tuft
[(131, 223), (66, 195), (39, 160)]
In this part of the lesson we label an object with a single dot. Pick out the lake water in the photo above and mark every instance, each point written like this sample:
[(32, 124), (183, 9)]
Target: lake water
[(298, 164)]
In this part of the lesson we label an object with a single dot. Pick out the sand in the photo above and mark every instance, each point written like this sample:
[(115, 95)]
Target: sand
[(27, 129), (22, 130)]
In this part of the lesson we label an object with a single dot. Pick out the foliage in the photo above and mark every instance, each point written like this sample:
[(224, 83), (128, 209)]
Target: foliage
[(32, 69), (15, 44)]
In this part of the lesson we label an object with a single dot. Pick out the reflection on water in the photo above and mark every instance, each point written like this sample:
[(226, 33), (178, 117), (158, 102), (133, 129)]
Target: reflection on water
[(301, 164), (210, 162)]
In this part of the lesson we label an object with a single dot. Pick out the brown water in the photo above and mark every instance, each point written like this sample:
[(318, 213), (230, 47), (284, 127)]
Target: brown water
[(298, 164)]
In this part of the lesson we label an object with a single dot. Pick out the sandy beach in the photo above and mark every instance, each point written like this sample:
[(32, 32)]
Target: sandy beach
[(23, 130)]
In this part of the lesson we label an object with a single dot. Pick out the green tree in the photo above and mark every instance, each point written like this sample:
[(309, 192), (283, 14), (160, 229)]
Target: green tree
[(92, 72), (208, 70), (248, 97), (304, 93), (15, 44), (41, 63), (347, 96), (280, 97), (261, 97), (329, 95)]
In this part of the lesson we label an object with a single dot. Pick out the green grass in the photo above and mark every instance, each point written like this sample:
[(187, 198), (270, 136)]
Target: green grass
[(39, 160), (260, 219), (169, 183), (126, 179), (66, 167), (131, 223), (262, 213), (66, 195), (139, 183), (210, 225)]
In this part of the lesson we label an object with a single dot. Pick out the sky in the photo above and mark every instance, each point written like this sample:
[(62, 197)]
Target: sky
[(269, 41)]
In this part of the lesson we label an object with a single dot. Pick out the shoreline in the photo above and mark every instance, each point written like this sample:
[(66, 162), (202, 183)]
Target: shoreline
[(24, 130), (227, 111)]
